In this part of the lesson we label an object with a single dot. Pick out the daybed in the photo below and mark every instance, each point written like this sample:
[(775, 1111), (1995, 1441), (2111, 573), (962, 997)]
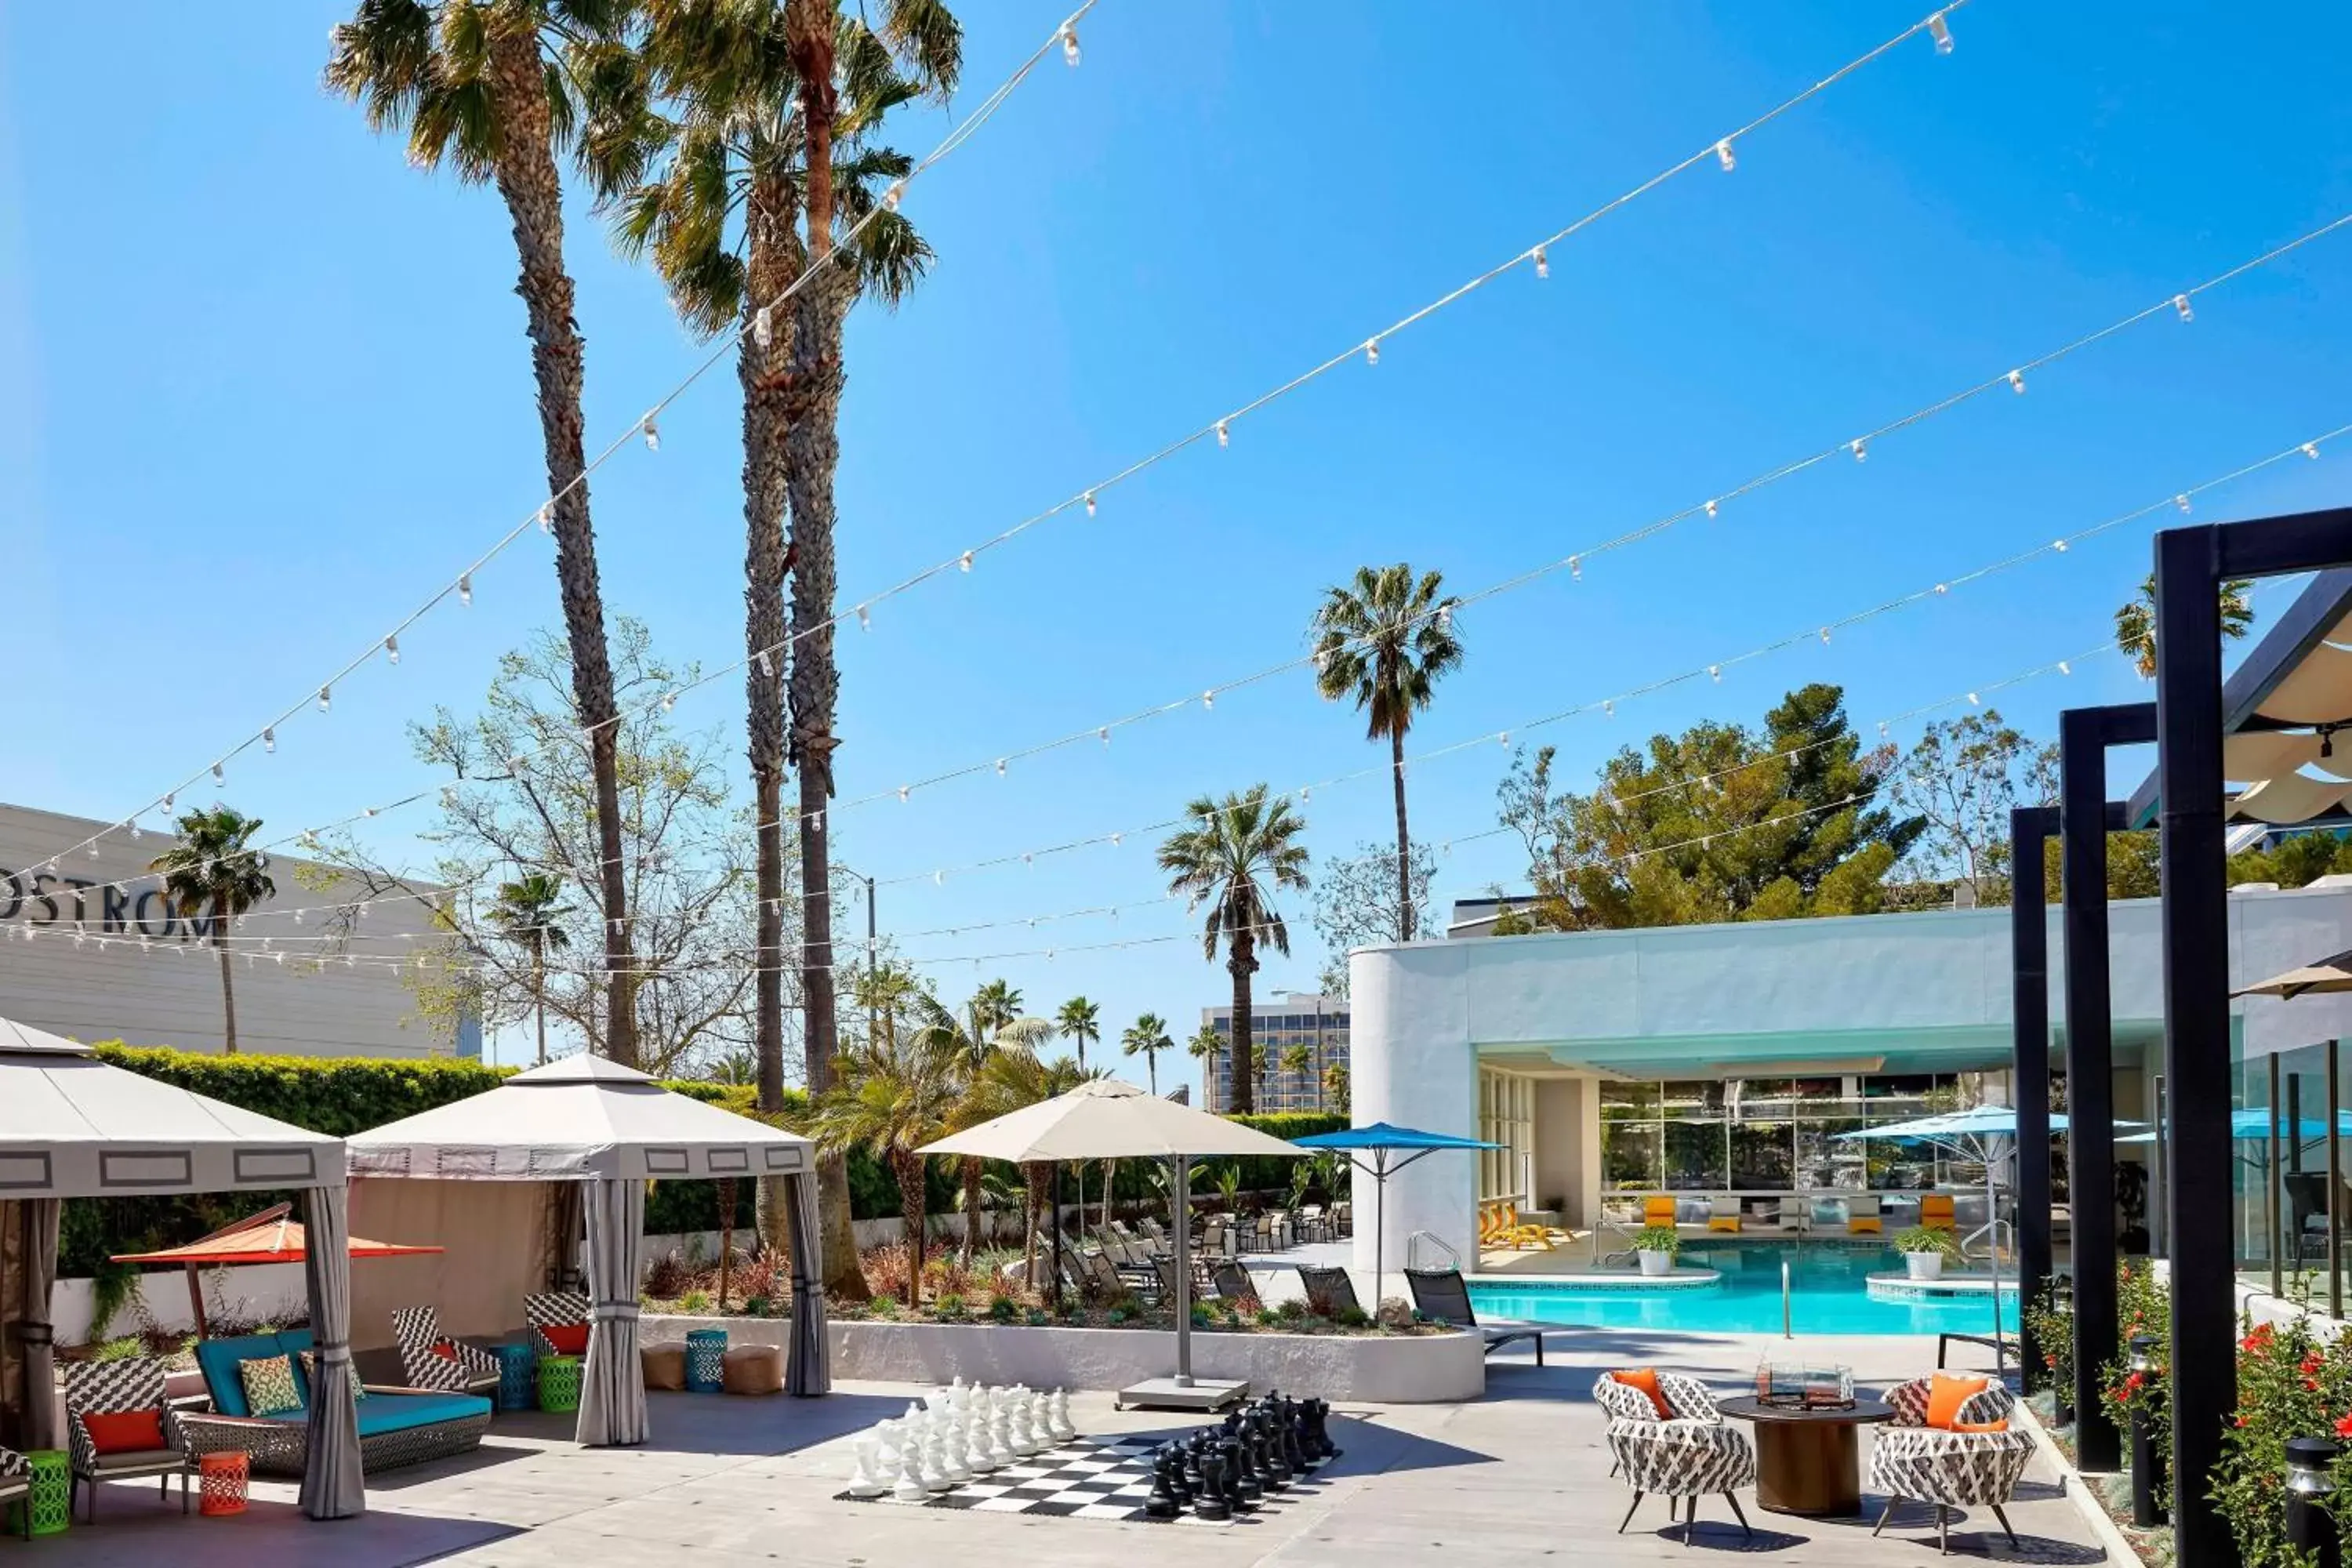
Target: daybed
[(398, 1425)]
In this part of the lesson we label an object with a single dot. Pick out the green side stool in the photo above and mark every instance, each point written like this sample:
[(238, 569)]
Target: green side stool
[(559, 1382), (50, 1502)]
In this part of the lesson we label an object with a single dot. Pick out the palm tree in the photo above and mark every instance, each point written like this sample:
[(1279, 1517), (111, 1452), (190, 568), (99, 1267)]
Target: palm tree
[(2135, 622), (885, 992), (1013, 1077), (527, 911), (497, 89), (1335, 1088), (891, 1098), (1385, 641), (1080, 1022), (1299, 1059), (1147, 1037), (1234, 857), (1205, 1046), (991, 1019), (714, 202), (215, 874)]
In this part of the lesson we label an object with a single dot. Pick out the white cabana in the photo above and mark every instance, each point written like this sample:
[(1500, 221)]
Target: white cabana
[(589, 1121), (1105, 1119), (73, 1127)]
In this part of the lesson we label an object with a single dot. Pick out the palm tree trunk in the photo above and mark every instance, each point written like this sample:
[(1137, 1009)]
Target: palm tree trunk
[(812, 453), (970, 1209), (910, 1168), (228, 987), (1404, 841), (1152, 1067), (534, 192), (1110, 1183), (539, 997), (1241, 961)]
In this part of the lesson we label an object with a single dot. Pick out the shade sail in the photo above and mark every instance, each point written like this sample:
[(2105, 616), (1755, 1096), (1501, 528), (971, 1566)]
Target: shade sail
[(1388, 1135), (278, 1241), (1105, 1119), (71, 1126), (579, 1119), (2327, 974)]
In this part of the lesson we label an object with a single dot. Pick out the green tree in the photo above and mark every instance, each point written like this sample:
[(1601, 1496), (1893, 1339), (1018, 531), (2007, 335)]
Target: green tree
[(886, 993), (890, 1099), (1299, 1058), (214, 875), (1011, 1076), (991, 1019), (1205, 1046), (527, 911), (1234, 855), (497, 90), (1147, 1037), (2135, 622), (1962, 779), (1335, 1088), (1080, 1022), (1384, 640)]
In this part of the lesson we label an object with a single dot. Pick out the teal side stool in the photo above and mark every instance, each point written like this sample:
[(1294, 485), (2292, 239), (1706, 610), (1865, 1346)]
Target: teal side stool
[(559, 1382), (706, 1361), (517, 1376), (50, 1502)]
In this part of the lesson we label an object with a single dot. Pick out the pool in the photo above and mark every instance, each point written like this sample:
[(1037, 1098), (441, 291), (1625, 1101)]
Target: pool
[(1827, 1295)]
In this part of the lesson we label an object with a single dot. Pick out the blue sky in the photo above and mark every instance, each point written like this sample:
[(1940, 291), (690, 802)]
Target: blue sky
[(263, 386)]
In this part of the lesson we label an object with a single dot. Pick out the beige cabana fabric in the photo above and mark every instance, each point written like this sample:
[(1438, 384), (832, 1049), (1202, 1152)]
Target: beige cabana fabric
[(2319, 689), (2288, 798), (494, 1236), (2258, 754)]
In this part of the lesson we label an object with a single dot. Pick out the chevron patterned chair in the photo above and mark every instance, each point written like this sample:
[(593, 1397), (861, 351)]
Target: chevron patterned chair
[(132, 1385), (425, 1360), (16, 1486), (1685, 1455), (559, 1309), (1973, 1463)]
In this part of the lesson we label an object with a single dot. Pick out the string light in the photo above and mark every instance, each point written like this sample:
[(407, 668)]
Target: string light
[(2182, 503), (1711, 508), (669, 701), (1714, 672), (2311, 449), (2181, 303), (1372, 351), (895, 195), (1576, 568), (547, 517), (1208, 700), (220, 775), (466, 589), (865, 618), (2059, 545), (651, 431), (965, 562), (1723, 155), (1225, 435), (763, 327), (1542, 261), (269, 738), (1941, 31), (326, 698), (1090, 503), (392, 647), (1860, 447), (1000, 767), (767, 669), (2016, 382), (1069, 37)]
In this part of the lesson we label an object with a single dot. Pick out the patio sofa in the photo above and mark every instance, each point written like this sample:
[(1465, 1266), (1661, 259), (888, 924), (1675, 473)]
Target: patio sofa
[(398, 1425)]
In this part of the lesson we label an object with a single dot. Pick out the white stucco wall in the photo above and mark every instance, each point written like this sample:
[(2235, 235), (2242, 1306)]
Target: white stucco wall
[(1921, 990)]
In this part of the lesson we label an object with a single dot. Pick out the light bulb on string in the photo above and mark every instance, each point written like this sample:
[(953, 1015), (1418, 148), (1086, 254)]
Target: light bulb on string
[(93, 848), (2059, 545), (669, 701), (1503, 738), (2311, 449), (1974, 701), (2065, 666), (547, 517), (1208, 701), (1711, 510), (1000, 766), (1069, 36), (1941, 31), (763, 326), (1543, 262), (652, 431), (1103, 734), (1576, 567), (904, 790), (219, 774), (1116, 839), (392, 648), (1090, 503), (964, 562), (2016, 382), (1714, 672), (1723, 155), (767, 669), (1608, 706), (1942, 589), (167, 799), (895, 195), (1225, 436), (466, 589), (1825, 636), (2181, 303), (2181, 501), (133, 825), (268, 738), (326, 698), (865, 618), (1860, 447)]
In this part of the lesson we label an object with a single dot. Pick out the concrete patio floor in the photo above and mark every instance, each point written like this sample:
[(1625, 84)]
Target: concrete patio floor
[(1518, 1477)]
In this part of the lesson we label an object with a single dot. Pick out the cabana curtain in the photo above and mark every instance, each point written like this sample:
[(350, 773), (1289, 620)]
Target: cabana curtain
[(331, 1487), (808, 1370), (37, 1219), (613, 1387)]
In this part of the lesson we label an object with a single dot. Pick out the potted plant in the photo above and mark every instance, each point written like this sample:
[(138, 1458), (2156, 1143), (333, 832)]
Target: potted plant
[(1657, 1245), (1924, 1250)]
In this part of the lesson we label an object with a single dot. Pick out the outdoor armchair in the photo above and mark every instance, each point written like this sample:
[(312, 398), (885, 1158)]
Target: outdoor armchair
[(1680, 1456), (560, 1310), (1233, 1282), (1953, 1468), (1862, 1215), (1659, 1209), (132, 1385), (1439, 1295), (1723, 1213), (1329, 1291), (16, 1486), (1936, 1212), (429, 1359)]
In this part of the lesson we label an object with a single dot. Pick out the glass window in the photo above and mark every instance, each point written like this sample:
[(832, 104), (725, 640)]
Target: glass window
[(1693, 1155), (1627, 1101), (1763, 1154), (1820, 1090), (1822, 1161), (1700, 1095), (1749, 1097), (1629, 1155)]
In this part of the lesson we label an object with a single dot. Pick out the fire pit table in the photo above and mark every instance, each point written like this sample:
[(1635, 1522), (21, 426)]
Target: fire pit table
[(1808, 1460)]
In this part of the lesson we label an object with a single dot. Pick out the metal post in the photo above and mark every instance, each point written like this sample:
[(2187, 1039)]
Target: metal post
[(2270, 1185), (2029, 950), (2090, 1073), (1179, 1204), (1380, 1227), (1057, 1238), (2196, 977), (2335, 1185)]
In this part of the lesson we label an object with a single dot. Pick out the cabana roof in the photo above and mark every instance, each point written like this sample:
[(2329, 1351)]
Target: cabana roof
[(582, 1118), (72, 1126)]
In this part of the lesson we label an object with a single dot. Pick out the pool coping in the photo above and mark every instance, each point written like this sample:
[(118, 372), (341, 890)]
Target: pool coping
[(1903, 1288), (1680, 1279)]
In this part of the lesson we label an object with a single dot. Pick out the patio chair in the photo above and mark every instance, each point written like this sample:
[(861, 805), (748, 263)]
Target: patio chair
[(1683, 1453), (1098, 1273), (1796, 1213), (1973, 1463), (1233, 1282), (1315, 1222), (1862, 1215), (430, 1359), (1329, 1291), (1343, 1220), (1439, 1295), (563, 1312), (16, 1486), (1723, 1214), (1660, 1209), (97, 1450), (1936, 1212)]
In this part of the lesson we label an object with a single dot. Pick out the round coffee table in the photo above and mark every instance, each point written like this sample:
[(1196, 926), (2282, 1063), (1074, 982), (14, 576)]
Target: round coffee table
[(1808, 1461)]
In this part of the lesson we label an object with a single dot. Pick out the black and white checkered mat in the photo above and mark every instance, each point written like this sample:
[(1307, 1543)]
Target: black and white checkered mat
[(1088, 1478)]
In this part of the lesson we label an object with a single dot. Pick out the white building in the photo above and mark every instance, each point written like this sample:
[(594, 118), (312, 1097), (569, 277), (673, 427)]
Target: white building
[(1279, 1024), (91, 950), (1723, 1058)]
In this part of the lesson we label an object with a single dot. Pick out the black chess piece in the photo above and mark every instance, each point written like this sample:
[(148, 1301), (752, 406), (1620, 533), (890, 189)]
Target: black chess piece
[(1213, 1504), (1196, 1450), (1318, 1429), (1161, 1503), (1277, 1460), (1294, 1451), (1237, 1467), (1174, 1456)]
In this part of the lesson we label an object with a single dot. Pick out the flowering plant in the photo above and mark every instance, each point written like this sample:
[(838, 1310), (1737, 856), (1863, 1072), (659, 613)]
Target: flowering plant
[(2289, 1386), (2143, 1308)]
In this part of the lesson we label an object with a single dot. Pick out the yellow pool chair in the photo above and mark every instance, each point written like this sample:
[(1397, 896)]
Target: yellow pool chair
[(1658, 1209), (1499, 1225), (1936, 1212), (1862, 1215), (1723, 1214)]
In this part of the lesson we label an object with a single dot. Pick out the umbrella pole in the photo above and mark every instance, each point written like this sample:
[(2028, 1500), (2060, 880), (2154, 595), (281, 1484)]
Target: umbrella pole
[(196, 1301), (1380, 1226), (1993, 1230), (1179, 1204), (1057, 1239)]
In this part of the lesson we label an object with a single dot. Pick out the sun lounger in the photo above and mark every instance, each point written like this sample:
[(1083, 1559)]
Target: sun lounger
[(1723, 1213), (1329, 1291), (1659, 1209), (1862, 1215), (1439, 1294), (1233, 1282), (1936, 1212)]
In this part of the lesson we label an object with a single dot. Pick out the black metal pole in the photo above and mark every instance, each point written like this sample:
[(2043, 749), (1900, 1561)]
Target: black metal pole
[(2203, 1385), (2335, 1184), (2270, 1185), (2028, 947), (1057, 1238)]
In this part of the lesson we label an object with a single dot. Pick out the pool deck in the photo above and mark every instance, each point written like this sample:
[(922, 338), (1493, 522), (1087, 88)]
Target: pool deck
[(1518, 1477)]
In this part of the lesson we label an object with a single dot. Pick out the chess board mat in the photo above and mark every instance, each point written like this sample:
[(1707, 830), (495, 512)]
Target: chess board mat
[(1086, 1477)]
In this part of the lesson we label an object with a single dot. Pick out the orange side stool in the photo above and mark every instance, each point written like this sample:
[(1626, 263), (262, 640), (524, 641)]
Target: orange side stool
[(221, 1482)]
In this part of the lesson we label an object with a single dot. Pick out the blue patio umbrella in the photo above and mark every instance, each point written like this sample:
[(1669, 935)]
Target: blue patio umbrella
[(1383, 1141)]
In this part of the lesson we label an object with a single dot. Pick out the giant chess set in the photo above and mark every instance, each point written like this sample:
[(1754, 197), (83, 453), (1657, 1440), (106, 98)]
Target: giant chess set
[(1013, 1450)]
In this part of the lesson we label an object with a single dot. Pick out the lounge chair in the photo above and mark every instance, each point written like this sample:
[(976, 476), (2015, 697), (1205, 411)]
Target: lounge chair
[(430, 1359), (398, 1425), (1936, 1212), (1439, 1294), (1233, 1282), (1723, 1213), (1103, 1276), (1684, 1453), (1331, 1291), (130, 1386), (1660, 1209), (1954, 1469), (1862, 1215), (16, 1486), (1796, 1213), (559, 1309)]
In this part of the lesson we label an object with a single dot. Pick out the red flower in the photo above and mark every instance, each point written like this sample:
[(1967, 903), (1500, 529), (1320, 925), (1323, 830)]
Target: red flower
[(2343, 1427), (2242, 1420), (2311, 1385), (2312, 1364)]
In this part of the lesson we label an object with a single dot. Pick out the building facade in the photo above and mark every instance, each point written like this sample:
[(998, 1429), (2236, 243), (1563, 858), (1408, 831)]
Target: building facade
[(90, 948), (1289, 1028)]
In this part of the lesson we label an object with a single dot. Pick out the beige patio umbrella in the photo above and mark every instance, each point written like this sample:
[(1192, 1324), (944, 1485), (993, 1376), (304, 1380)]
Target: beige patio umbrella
[(2328, 975), (1106, 1118)]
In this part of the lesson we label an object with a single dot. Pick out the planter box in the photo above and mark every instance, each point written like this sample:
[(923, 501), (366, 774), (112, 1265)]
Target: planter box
[(1419, 1369)]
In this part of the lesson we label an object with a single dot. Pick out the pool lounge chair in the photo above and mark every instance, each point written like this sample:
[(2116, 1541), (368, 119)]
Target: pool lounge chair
[(1660, 1209), (1796, 1213), (1329, 1291), (398, 1425), (1440, 1294), (1233, 1282), (431, 1359), (1723, 1213), (1936, 1212), (1862, 1215)]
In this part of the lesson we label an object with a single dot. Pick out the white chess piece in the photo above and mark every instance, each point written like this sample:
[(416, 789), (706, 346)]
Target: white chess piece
[(885, 1446), (999, 1439), (935, 1469), (1057, 1414), (1023, 1429), (951, 1465), (911, 1487), (863, 1484), (977, 1453)]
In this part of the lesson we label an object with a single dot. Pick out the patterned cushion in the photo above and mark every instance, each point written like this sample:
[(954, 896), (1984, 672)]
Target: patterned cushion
[(269, 1385), (1644, 1380), (1946, 1394), (1682, 1458), (310, 1376)]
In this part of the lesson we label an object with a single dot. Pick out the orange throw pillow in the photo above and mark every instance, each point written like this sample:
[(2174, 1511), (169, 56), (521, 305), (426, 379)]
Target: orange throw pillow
[(125, 1431), (1646, 1379), (445, 1350), (571, 1338), (2000, 1425), (1946, 1396)]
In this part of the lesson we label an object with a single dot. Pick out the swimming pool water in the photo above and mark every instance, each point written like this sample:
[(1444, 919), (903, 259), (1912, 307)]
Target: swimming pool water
[(1827, 1290)]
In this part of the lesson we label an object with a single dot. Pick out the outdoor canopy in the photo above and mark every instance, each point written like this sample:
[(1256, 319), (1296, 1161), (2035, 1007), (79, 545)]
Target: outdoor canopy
[(2327, 974), (1380, 1140), (70, 1127), (269, 1237), (589, 1120), (1105, 1119)]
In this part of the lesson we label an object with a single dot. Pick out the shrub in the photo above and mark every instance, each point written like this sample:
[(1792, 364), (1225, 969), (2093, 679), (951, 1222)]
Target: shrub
[(694, 1301), (669, 1277), (885, 1306), (2142, 1308), (1001, 1309), (758, 1307), (2053, 1334), (1036, 1318), (1920, 1238), (2289, 1386), (1291, 1312), (1115, 1316), (1662, 1238), (1352, 1318), (950, 1304)]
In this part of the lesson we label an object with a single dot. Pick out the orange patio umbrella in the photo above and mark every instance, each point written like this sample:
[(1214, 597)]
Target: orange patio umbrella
[(269, 1237)]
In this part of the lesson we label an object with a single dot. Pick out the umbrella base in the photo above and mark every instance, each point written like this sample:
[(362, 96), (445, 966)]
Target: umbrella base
[(1166, 1394)]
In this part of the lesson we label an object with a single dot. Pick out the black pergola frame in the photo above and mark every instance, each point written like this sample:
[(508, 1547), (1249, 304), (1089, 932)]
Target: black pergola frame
[(2191, 563), (2029, 826)]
